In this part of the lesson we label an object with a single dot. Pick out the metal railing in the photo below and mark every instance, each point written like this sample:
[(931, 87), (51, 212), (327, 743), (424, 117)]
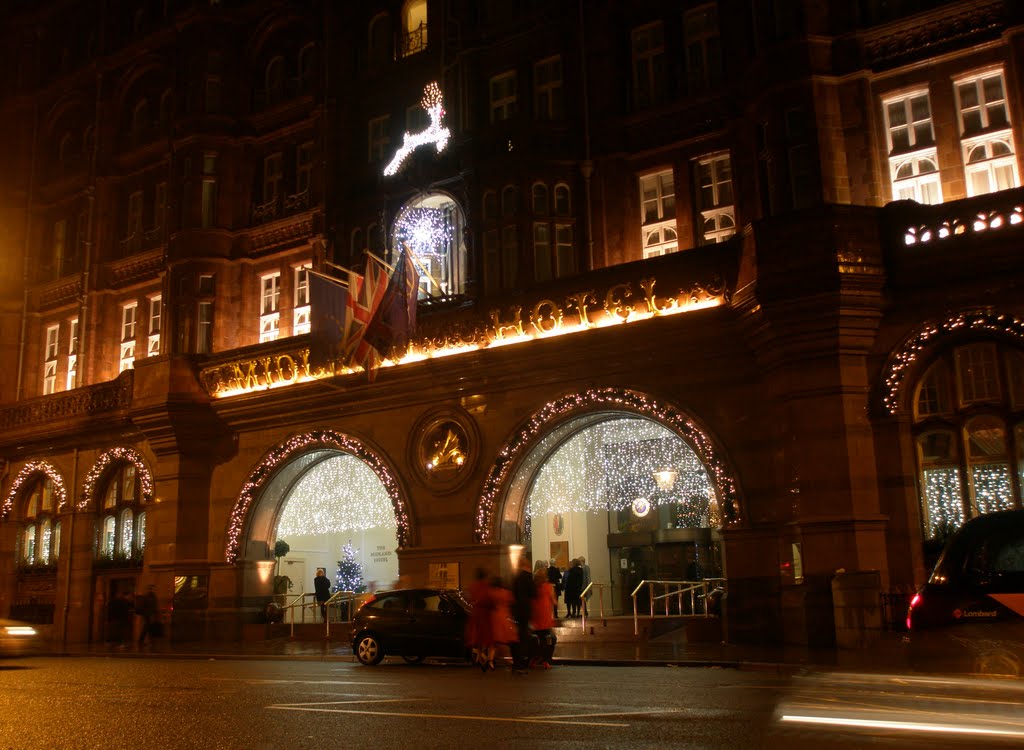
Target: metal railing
[(584, 609), (678, 591), (338, 601)]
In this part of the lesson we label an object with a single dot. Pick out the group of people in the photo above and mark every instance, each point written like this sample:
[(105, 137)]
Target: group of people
[(517, 620), (123, 608), (571, 584)]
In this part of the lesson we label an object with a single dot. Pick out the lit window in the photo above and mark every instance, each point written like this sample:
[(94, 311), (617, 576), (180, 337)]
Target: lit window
[(963, 425), (128, 318), (414, 27), (377, 139), (977, 373), (548, 94), (503, 96), (431, 225), (270, 315), (50, 362), (715, 199), (153, 342), (658, 214), (300, 322), (913, 161), (986, 136), (73, 354), (124, 545), (109, 540), (649, 85)]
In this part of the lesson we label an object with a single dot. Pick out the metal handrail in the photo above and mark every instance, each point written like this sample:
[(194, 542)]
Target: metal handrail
[(339, 598), (290, 606), (600, 602), (690, 587)]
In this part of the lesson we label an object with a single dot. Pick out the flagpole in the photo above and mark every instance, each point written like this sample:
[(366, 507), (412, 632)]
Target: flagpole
[(423, 270), (388, 266), (339, 282), (335, 265)]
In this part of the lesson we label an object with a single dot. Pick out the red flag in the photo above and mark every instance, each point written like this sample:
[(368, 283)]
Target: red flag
[(395, 318)]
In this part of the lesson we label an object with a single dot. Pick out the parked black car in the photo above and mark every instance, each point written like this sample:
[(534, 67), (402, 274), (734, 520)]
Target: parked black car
[(411, 623), (969, 616)]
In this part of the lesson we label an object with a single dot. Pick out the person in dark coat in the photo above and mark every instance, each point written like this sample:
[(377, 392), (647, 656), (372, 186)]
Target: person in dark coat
[(523, 592), (322, 591), (573, 588), (555, 579), (149, 611)]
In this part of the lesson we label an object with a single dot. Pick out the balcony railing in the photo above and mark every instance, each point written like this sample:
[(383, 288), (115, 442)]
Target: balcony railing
[(983, 214), (91, 401)]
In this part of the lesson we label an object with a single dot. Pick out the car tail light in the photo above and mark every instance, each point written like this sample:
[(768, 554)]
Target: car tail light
[(910, 610)]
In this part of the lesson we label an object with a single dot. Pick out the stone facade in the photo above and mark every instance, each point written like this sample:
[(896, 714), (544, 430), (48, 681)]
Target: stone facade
[(158, 179)]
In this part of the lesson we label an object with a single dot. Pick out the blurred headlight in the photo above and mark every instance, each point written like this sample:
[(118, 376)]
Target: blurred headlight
[(19, 631)]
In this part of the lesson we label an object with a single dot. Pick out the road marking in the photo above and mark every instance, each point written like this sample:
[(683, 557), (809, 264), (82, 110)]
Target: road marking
[(447, 717), (619, 713)]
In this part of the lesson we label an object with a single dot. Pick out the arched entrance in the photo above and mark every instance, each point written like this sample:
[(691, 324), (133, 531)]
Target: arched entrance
[(431, 226), (635, 487), (319, 492)]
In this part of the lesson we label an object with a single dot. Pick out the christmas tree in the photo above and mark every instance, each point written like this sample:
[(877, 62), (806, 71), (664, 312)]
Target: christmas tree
[(349, 576)]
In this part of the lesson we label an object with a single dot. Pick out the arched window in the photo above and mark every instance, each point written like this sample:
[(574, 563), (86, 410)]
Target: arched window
[(166, 110), (307, 67), (432, 227), (64, 154), (414, 27), (140, 124), (509, 201), (379, 51), (563, 200), (964, 414), (38, 541), (122, 532), (490, 205), (540, 199), (274, 82)]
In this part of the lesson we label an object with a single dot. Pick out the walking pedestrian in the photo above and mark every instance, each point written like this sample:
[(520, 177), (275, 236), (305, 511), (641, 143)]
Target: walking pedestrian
[(479, 626), (523, 591), (149, 611), (542, 621)]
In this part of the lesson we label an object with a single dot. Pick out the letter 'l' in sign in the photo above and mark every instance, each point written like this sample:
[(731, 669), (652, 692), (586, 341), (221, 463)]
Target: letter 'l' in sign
[(435, 133)]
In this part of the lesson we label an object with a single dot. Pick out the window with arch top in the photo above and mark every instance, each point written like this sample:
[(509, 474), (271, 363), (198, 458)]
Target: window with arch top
[(122, 534), (968, 432), (39, 539)]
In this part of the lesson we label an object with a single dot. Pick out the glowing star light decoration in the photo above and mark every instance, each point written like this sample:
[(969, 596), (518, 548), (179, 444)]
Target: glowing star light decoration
[(435, 133)]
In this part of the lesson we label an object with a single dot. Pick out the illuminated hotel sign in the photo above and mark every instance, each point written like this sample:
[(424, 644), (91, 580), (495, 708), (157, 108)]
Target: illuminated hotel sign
[(619, 304)]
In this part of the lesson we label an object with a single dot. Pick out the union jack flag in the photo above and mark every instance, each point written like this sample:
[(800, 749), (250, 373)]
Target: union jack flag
[(365, 295)]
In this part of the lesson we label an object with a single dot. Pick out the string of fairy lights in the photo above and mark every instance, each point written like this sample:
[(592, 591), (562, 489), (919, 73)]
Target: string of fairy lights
[(115, 455), (303, 444), (905, 357), (338, 495), (27, 471), (611, 464), (427, 231), (512, 452)]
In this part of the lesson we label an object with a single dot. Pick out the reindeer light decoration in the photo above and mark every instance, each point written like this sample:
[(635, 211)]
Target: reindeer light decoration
[(435, 133)]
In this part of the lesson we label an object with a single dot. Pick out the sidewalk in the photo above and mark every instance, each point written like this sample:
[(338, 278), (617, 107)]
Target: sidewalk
[(668, 650)]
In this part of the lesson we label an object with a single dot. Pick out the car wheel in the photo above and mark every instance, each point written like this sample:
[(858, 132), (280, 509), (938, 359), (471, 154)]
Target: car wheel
[(368, 650), (414, 659)]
